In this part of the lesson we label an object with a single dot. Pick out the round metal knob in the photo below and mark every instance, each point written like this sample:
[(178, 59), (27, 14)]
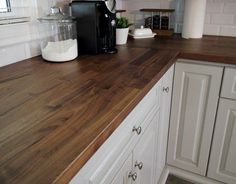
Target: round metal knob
[(138, 130), (166, 89), (133, 176), (139, 165)]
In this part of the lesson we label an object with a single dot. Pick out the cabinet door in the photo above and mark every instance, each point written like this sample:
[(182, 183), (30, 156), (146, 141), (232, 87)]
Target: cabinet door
[(122, 176), (222, 165), (145, 154), (194, 103), (229, 83), (163, 124)]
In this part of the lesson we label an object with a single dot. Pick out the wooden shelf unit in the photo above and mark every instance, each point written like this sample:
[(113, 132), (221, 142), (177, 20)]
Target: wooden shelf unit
[(157, 10), (160, 32), (120, 11)]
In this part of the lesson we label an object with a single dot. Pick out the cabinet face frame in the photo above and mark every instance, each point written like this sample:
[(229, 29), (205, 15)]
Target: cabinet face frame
[(195, 86), (222, 165), (145, 152)]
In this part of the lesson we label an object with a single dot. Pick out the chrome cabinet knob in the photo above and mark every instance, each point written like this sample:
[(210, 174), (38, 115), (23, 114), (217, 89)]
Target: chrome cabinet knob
[(133, 176), (139, 165), (138, 130), (166, 89)]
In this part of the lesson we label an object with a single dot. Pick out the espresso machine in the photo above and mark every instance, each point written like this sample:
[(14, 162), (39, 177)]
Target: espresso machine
[(96, 25)]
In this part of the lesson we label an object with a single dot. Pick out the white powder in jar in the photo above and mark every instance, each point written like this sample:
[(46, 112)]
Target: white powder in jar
[(60, 51)]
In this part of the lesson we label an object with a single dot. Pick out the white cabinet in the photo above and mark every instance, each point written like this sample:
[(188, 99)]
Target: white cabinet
[(194, 103), (135, 152), (145, 153), (229, 83), (222, 165), (122, 177), (163, 125)]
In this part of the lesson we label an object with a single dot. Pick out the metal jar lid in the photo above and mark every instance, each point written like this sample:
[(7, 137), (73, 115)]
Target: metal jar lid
[(56, 16)]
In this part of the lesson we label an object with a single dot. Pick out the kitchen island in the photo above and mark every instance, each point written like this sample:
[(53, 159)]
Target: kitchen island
[(53, 117)]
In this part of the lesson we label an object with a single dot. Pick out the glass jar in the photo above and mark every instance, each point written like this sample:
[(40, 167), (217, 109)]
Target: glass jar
[(58, 36)]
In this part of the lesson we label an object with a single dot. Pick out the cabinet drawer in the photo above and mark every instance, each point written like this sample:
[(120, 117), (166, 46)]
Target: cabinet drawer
[(120, 142), (229, 84)]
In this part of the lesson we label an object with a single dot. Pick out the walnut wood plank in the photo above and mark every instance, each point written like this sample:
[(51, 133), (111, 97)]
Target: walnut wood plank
[(209, 48), (53, 117)]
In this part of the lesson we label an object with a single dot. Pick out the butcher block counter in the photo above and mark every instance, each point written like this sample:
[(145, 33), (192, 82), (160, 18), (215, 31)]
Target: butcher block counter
[(53, 117)]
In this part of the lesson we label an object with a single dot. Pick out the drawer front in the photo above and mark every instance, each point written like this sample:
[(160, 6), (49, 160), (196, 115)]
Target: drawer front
[(123, 138), (229, 84)]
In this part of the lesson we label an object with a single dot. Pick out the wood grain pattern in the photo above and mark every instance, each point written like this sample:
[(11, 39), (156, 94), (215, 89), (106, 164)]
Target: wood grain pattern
[(209, 48), (53, 117)]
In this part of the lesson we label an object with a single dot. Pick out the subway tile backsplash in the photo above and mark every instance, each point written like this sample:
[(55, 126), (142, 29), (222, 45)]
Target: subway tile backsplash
[(20, 41), (220, 14), (220, 20)]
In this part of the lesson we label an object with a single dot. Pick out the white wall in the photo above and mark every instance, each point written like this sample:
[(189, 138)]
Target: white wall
[(21, 41), (135, 16), (220, 14), (220, 18)]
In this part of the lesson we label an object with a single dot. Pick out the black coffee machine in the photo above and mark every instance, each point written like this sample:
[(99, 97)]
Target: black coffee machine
[(96, 25)]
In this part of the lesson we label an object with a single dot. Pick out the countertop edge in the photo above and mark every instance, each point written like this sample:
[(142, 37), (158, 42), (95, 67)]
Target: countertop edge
[(80, 161)]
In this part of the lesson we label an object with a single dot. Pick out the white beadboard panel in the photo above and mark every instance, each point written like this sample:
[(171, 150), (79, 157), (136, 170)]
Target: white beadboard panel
[(222, 19), (211, 29), (228, 30)]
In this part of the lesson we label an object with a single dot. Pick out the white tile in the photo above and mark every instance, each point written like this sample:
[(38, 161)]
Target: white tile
[(7, 31), (207, 18), (214, 7), (119, 4), (211, 29), (12, 54), (32, 49), (230, 8), (179, 17), (228, 31), (222, 19)]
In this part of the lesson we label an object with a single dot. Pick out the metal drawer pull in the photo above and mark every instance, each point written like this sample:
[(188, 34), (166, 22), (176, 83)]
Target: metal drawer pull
[(137, 130), (139, 165), (166, 89), (133, 176)]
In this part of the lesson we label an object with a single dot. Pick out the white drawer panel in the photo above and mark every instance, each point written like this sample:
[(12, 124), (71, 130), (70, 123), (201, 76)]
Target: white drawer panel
[(120, 142), (229, 84)]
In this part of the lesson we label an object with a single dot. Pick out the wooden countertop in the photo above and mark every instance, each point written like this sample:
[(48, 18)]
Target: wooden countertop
[(53, 117)]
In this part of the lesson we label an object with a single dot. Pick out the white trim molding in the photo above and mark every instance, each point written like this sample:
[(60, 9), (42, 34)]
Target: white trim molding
[(169, 170)]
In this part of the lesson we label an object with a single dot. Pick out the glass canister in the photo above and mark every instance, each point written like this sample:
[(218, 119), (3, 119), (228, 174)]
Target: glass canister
[(58, 36)]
